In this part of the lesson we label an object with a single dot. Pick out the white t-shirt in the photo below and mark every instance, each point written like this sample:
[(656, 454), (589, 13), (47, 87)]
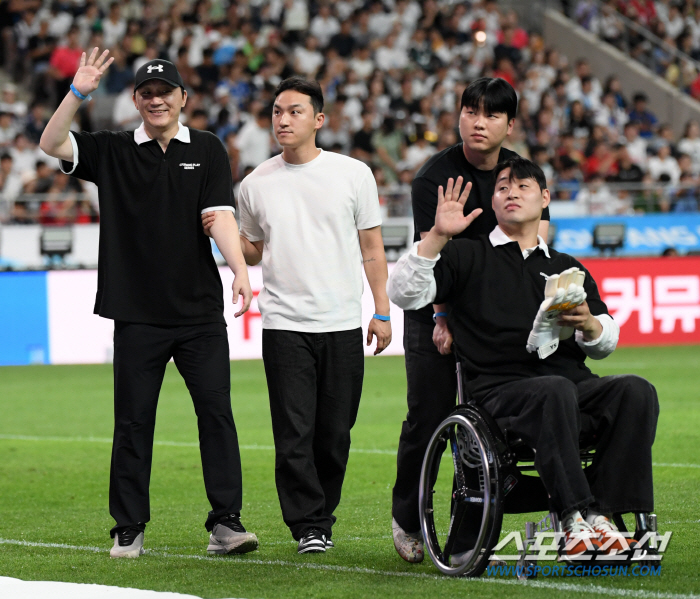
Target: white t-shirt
[(308, 216)]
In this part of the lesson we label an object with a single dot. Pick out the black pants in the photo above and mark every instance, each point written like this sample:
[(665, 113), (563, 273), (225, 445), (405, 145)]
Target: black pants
[(315, 383), (432, 392), (616, 414), (141, 353), (605, 407)]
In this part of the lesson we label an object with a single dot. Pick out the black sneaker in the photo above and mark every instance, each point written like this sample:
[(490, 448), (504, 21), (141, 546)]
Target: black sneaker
[(313, 541), (128, 542), (229, 536), (329, 543)]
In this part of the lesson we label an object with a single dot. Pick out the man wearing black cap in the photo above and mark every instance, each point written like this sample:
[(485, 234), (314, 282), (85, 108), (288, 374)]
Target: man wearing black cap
[(158, 281)]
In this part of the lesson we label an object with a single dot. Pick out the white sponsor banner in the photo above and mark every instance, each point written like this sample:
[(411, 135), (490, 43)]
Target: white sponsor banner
[(77, 336)]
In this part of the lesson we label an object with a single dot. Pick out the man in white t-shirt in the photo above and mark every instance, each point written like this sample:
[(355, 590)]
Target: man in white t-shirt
[(312, 217)]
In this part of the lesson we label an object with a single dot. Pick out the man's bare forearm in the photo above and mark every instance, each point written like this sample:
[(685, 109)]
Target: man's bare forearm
[(252, 251), (54, 140), (374, 263), (225, 234)]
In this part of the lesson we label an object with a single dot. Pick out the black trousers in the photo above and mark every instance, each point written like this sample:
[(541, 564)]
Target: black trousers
[(432, 393), (315, 383), (141, 353), (621, 427), (616, 414)]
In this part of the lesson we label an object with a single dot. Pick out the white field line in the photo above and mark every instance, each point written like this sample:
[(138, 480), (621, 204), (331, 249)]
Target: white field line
[(553, 586), (390, 452)]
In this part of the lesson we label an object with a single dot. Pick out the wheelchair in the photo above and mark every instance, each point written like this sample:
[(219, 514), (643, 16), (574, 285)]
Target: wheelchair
[(486, 469)]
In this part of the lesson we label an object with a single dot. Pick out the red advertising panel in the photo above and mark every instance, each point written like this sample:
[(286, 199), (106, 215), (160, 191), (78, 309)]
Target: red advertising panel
[(656, 301)]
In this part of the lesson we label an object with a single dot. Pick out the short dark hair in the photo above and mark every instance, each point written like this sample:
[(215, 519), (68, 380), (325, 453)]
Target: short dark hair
[(494, 94), (520, 168), (308, 87)]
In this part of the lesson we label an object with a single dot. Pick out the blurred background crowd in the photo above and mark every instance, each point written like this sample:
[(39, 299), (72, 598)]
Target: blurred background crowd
[(392, 73)]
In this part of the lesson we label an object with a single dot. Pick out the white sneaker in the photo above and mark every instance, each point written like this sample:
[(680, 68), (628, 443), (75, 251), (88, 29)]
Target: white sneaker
[(229, 536), (409, 545), (580, 540), (128, 543), (611, 539)]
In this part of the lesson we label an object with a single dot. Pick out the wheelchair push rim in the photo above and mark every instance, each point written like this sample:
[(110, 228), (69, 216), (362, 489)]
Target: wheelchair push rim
[(491, 515)]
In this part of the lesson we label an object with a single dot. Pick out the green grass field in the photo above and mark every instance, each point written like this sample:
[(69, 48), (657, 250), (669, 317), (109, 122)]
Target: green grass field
[(55, 428)]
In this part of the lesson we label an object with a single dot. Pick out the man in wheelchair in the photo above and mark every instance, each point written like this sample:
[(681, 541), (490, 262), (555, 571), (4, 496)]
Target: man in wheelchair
[(524, 318)]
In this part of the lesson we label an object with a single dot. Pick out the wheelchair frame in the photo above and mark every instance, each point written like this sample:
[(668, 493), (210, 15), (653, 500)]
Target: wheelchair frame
[(485, 471)]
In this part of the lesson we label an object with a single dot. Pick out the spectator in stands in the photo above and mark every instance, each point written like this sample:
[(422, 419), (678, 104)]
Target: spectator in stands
[(601, 162), (208, 72), (540, 157), (8, 129), (597, 198), (24, 155), (324, 25), (61, 199), (335, 133), (120, 73), (664, 163), (10, 104), (690, 143), (114, 26), (35, 122), (41, 46), (665, 136), (308, 60), (254, 140), (579, 122), (642, 116), (43, 178), (198, 120), (343, 42), (417, 153), (613, 86), (64, 63), (686, 198), (506, 47), (635, 143), (389, 145), (627, 171), (362, 146), (125, 116), (10, 186)]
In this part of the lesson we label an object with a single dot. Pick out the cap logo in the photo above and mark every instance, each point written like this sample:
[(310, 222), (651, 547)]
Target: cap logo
[(155, 67)]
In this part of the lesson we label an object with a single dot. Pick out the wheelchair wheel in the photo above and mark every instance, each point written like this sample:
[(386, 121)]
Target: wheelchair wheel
[(460, 495)]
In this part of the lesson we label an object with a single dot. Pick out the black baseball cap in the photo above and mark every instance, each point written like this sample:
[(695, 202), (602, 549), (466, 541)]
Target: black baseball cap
[(158, 69)]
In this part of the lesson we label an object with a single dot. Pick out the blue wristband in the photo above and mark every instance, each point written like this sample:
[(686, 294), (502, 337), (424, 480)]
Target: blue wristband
[(380, 317), (435, 316), (78, 94)]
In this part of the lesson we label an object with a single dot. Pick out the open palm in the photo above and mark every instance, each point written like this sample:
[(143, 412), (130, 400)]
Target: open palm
[(91, 69), (449, 218)]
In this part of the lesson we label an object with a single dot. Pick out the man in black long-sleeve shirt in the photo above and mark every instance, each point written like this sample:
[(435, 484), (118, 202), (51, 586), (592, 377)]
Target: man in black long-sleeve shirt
[(494, 287), (485, 121)]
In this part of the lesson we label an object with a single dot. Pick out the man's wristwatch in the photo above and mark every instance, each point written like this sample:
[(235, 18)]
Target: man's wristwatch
[(435, 316)]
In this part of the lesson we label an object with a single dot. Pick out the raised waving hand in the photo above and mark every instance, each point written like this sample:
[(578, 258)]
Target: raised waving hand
[(91, 69)]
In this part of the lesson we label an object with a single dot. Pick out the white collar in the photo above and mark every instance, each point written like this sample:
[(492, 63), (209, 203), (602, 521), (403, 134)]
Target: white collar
[(498, 237), (183, 134)]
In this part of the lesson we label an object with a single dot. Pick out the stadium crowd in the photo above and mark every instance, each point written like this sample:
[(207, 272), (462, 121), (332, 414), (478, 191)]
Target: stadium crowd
[(674, 25), (392, 73)]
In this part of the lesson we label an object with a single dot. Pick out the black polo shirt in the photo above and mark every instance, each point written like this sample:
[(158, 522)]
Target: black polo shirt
[(451, 162), (493, 296), (155, 262)]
